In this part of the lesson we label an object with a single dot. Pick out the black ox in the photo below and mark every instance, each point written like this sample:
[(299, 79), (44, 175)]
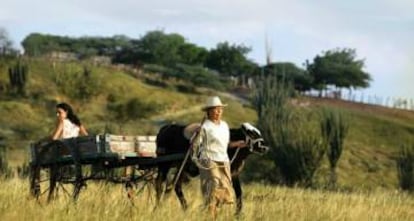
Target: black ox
[(171, 140)]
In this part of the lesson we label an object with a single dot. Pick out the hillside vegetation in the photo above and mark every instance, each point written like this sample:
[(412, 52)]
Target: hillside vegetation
[(123, 101), (376, 135)]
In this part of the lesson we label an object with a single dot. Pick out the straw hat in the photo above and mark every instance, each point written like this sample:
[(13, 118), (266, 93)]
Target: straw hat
[(190, 130), (213, 102)]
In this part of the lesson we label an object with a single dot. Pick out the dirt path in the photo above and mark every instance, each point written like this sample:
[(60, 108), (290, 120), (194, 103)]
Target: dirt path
[(197, 108), (173, 114), (234, 96)]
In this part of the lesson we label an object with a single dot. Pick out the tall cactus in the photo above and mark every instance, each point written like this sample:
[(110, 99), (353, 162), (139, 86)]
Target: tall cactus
[(297, 151), (18, 77), (5, 170), (334, 128), (405, 166)]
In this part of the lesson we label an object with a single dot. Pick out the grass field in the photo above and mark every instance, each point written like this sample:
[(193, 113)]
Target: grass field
[(367, 175), (109, 202)]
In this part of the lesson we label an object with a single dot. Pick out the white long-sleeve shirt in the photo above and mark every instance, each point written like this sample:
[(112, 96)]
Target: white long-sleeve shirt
[(213, 141)]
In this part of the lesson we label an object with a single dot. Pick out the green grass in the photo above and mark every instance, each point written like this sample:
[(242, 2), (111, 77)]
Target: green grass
[(375, 137), (375, 133)]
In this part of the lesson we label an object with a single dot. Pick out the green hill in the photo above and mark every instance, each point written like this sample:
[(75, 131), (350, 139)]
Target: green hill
[(375, 136), (122, 101), (125, 101)]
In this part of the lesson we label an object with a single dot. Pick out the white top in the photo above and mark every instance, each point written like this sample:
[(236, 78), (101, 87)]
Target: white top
[(69, 129), (213, 141)]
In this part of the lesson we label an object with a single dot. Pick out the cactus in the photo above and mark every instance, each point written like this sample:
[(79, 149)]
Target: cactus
[(5, 170), (18, 77), (405, 166), (334, 128), (297, 151)]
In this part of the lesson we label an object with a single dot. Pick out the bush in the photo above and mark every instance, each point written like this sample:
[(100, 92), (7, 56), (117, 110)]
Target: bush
[(81, 85), (159, 69), (134, 109), (156, 82), (186, 89), (197, 75)]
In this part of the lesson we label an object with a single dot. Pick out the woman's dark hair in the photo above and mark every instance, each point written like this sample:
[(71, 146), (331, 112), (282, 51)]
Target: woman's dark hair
[(71, 115)]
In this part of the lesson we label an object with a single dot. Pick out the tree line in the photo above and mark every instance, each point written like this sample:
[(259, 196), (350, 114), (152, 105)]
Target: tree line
[(338, 68)]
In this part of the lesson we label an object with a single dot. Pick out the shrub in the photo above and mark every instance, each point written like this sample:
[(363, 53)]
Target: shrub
[(134, 109), (156, 82), (81, 85), (197, 75), (186, 88)]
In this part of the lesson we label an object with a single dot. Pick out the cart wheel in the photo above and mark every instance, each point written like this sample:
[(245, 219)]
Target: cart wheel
[(47, 184), (34, 178), (42, 182), (67, 185), (141, 186)]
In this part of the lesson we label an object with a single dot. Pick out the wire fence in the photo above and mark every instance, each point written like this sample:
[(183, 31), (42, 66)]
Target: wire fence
[(389, 102)]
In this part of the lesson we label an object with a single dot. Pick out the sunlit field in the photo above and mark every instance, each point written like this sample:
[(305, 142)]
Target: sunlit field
[(109, 202)]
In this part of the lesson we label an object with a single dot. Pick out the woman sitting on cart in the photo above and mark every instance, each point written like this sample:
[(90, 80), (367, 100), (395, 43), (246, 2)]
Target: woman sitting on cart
[(68, 124)]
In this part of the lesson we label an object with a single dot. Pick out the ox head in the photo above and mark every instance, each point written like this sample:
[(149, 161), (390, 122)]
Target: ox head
[(254, 139)]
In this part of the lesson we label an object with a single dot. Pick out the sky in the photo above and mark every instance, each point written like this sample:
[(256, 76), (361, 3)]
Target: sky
[(381, 31)]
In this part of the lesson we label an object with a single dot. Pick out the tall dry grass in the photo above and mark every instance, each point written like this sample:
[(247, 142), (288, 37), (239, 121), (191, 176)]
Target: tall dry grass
[(108, 202)]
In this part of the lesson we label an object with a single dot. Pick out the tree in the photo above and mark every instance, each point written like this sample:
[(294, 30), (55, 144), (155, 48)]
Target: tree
[(340, 68), (229, 60), (288, 71), (156, 47), (6, 45), (128, 53), (192, 54), (37, 44), (160, 48)]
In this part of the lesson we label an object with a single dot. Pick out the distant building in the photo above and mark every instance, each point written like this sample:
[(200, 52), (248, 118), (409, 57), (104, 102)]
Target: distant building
[(100, 60), (62, 56)]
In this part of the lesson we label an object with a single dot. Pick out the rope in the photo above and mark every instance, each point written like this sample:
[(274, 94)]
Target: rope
[(177, 175), (197, 160), (250, 142), (235, 155)]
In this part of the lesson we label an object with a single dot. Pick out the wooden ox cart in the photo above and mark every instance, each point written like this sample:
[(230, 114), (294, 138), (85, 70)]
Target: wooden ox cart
[(64, 166)]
